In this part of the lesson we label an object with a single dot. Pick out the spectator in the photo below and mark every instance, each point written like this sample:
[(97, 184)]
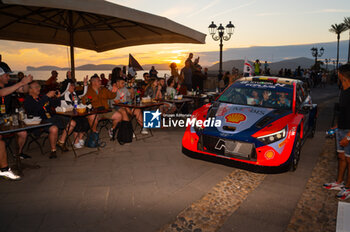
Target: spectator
[(127, 95), (170, 90), (324, 79), (343, 136), (131, 71), (186, 74), (117, 74), (162, 84), (226, 79), (64, 83), (189, 60), (20, 76), (104, 80), (99, 100), (174, 72), (234, 76), (197, 76), (257, 67), (153, 90), (5, 94), (52, 84), (153, 72), (41, 106), (82, 125), (266, 66)]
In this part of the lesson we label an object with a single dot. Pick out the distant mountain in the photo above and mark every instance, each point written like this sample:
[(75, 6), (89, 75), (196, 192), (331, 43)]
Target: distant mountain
[(292, 64), (278, 53), (97, 67), (43, 68), (164, 66), (146, 67)]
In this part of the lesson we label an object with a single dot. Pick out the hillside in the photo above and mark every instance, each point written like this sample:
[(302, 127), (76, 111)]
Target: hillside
[(303, 62)]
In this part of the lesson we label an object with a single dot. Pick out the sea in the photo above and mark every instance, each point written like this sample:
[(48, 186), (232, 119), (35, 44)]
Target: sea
[(80, 74)]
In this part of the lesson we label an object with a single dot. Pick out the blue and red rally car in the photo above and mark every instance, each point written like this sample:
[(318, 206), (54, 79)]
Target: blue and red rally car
[(264, 122)]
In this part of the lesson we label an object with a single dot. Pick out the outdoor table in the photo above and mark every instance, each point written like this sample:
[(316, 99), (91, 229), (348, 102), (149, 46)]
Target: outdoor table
[(73, 114), (21, 127), (179, 103), (141, 106), (196, 99)]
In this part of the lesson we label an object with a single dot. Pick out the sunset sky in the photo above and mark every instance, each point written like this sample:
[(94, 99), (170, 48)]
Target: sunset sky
[(258, 23)]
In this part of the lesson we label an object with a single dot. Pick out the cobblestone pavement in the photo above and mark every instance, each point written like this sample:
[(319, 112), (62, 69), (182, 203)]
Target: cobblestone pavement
[(211, 211), (317, 207)]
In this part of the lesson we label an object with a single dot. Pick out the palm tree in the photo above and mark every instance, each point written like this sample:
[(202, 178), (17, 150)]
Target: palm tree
[(347, 25), (338, 29)]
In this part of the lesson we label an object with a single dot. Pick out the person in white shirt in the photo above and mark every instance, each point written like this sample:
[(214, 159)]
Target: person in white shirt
[(82, 124)]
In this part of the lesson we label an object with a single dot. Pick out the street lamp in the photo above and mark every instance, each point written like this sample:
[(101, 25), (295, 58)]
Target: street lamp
[(317, 53), (219, 33)]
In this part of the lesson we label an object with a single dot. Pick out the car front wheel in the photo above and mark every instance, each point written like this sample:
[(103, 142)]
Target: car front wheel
[(296, 153)]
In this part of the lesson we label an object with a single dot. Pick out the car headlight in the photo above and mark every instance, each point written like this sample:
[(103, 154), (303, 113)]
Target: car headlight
[(271, 138)]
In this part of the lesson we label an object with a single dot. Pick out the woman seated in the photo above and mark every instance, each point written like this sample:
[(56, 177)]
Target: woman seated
[(125, 95), (153, 90)]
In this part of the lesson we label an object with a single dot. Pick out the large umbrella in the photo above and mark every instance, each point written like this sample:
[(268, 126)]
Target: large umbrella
[(90, 24)]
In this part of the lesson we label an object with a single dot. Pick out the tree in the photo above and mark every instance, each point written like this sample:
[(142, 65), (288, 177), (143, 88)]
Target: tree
[(338, 29), (347, 25)]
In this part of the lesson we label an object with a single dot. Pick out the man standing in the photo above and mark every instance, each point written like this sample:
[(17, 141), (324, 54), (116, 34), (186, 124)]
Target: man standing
[(186, 74), (257, 67), (343, 136), (5, 93)]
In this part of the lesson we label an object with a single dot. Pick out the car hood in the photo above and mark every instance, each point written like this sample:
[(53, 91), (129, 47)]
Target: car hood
[(236, 119)]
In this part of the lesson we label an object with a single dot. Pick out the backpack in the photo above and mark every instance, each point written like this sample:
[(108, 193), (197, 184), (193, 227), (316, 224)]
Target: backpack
[(125, 132), (93, 140)]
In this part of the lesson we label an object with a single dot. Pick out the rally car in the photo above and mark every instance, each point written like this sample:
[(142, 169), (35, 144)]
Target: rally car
[(264, 122)]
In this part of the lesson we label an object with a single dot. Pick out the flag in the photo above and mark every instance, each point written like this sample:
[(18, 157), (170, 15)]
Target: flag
[(134, 64), (247, 68)]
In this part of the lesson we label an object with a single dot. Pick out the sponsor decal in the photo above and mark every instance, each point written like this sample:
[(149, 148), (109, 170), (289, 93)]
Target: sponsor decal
[(235, 118), (228, 146), (222, 110), (292, 132), (282, 144), (248, 109), (269, 154)]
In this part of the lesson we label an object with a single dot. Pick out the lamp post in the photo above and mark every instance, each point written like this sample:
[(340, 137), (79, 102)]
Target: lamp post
[(317, 53), (218, 33)]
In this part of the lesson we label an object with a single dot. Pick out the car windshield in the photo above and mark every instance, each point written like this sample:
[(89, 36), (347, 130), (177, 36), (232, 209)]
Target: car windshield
[(277, 98)]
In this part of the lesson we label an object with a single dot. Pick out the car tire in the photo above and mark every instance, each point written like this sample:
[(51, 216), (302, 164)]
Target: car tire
[(313, 130), (296, 153)]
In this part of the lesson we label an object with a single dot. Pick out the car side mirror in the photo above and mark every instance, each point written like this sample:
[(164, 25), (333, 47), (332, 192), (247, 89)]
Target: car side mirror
[(305, 108)]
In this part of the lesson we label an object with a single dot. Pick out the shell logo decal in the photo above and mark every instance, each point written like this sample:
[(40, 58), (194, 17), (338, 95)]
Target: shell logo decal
[(235, 118), (269, 154)]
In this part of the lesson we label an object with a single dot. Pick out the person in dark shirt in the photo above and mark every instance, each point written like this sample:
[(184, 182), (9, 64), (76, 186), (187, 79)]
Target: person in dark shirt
[(5, 70), (343, 136), (41, 106)]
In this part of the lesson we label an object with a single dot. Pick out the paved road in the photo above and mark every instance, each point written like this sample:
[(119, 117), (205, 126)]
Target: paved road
[(143, 186), (271, 205), (136, 187)]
